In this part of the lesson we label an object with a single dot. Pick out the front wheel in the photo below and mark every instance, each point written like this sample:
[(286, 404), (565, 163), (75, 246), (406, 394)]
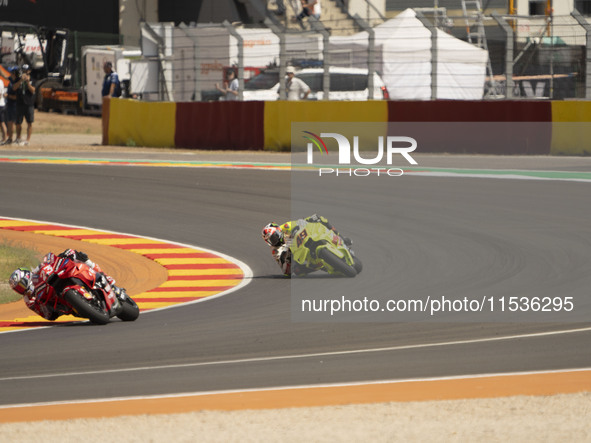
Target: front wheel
[(338, 264), (357, 264), (129, 310), (87, 309)]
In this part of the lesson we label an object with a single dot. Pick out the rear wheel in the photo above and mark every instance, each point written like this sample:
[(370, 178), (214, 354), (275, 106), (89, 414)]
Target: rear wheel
[(338, 264), (84, 308), (129, 310)]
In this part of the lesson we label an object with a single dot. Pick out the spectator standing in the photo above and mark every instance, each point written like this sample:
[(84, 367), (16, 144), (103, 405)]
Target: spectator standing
[(111, 83), (296, 88), (25, 105), (231, 86), (309, 8), (2, 106), (10, 108)]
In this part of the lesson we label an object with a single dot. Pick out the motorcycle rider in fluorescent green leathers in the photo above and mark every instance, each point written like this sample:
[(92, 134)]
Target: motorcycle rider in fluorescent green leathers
[(281, 237)]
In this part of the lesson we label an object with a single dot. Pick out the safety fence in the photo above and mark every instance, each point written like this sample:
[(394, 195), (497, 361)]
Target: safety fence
[(417, 55), (563, 127)]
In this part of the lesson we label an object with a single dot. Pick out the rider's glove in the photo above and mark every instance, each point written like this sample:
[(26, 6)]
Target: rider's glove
[(81, 256), (74, 255)]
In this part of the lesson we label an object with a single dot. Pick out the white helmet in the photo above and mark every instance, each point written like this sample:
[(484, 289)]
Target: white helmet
[(21, 281), (273, 235)]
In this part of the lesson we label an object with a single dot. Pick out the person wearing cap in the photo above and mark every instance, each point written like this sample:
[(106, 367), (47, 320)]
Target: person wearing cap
[(25, 105), (230, 87), (111, 84), (296, 88)]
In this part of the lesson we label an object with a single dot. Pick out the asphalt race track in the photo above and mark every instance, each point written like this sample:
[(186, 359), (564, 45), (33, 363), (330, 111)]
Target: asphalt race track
[(248, 339)]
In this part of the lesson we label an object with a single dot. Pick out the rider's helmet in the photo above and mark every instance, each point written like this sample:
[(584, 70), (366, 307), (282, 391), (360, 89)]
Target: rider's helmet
[(21, 281), (273, 235)]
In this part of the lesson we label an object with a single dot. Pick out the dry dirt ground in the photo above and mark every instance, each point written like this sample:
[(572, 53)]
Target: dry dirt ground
[(56, 123), (559, 418)]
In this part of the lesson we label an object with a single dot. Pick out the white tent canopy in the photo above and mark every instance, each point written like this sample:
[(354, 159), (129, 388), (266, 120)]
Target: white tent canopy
[(403, 58)]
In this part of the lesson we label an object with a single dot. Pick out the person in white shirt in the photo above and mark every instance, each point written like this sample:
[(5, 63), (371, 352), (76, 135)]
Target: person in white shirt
[(296, 89), (310, 8), (230, 87)]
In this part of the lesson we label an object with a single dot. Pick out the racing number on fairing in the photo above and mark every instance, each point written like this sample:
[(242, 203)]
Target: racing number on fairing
[(301, 238)]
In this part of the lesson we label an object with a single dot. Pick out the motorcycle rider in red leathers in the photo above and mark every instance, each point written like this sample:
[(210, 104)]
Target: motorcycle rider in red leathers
[(279, 237), (37, 294)]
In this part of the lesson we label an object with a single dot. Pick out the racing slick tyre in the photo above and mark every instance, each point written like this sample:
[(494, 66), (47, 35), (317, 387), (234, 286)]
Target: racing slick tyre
[(129, 310), (83, 308), (357, 264), (336, 263)]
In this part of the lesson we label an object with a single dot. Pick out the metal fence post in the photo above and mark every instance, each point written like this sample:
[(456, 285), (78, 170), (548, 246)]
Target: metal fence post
[(371, 53), (282, 56), (585, 24), (197, 91), (434, 59), (321, 29), (509, 83), (377, 11), (163, 92), (238, 37)]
